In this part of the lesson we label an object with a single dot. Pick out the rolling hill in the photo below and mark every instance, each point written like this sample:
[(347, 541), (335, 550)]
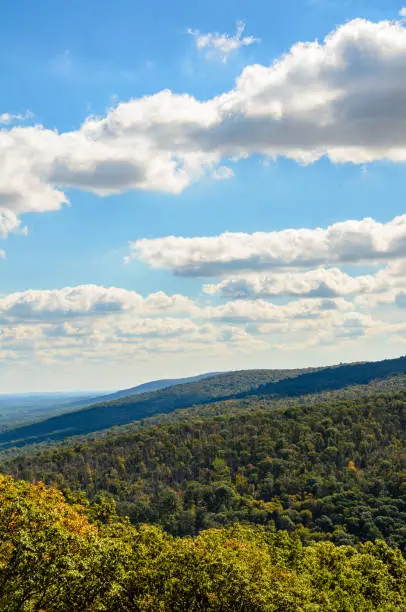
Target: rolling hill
[(111, 413), (332, 378), (25, 408), (20, 408), (233, 385), (154, 385), (331, 468)]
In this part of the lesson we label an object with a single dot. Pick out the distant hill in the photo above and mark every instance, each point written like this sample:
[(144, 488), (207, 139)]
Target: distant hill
[(109, 413), (154, 385), (232, 385), (333, 378), (17, 409), (334, 467)]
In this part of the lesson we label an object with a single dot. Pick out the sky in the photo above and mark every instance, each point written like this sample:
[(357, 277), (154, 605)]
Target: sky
[(190, 187)]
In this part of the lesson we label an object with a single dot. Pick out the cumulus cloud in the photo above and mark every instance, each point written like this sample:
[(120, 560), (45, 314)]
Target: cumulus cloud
[(222, 45), (318, 283), (70, 309), (262, 311), (93, 322), (346, 242), (342, 98), (346, 327), (119, 336), (86, 300), (333, 326)]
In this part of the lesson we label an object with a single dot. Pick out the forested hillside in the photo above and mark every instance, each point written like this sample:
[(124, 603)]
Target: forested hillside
[(335, 468), (244, 384), (21, 408), (328, 379), (104, 415), (265, 502), (153, 385), (57, 556), (25, 408)]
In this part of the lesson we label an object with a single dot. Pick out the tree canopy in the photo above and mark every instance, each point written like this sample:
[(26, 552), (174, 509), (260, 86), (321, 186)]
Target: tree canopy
[(60, 556)]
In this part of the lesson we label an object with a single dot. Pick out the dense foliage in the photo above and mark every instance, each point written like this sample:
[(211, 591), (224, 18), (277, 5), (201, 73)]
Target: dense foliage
[(106, 414), (332, 470), (26, 408), (65, 557), (337, 377), (261, 503), (231, 385)]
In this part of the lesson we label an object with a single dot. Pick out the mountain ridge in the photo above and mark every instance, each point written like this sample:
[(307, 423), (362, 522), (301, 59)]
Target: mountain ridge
[(154, 385), (221, 387), (335, 464), (20, 409), (103, 415)]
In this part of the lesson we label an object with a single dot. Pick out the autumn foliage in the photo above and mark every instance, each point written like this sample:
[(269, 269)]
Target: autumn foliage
[(60, 556)]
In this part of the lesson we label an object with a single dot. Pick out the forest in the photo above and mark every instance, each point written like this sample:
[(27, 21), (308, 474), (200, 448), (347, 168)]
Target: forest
[(334, 470), (126, 408), (60, 556), (254, 500), (106, 413)]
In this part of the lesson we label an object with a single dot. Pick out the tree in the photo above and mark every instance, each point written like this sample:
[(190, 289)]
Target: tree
[(51, 557)]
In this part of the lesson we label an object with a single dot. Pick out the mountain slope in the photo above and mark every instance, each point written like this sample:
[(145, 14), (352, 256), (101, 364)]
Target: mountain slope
[(104, 415), (336, 466), (17, 410), (26, 407), (332, 378), (154, 385), (64, 557), (238, 385)]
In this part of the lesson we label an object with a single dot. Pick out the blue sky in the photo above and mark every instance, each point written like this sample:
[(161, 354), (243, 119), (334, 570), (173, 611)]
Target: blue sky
[(76, 310)]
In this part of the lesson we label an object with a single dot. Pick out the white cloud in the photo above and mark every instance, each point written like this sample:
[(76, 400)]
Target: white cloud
[(222, 173), (72, 311), (262, 311), (222, 45), (318, 283), (87, 300), (119, 336), (342, 243), (45, 305), (402, 12), (347, 327), (9, 223), (329, 329), (97, 323), (342, 98)]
